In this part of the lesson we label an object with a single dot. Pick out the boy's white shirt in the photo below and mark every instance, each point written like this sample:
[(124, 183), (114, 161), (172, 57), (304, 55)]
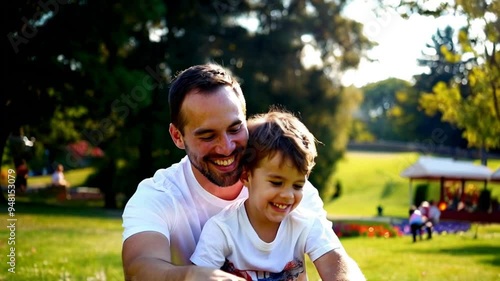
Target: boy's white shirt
[(230, 236), (174, 204)]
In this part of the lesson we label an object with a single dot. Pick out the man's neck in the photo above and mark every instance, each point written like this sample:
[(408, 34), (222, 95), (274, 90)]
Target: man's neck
[(226, 193)]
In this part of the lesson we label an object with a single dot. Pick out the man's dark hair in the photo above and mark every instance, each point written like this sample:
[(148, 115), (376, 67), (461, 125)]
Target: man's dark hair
[(205, 78)]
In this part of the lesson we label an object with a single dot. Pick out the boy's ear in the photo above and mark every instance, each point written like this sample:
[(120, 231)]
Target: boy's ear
[(176, 136), (244, 177)]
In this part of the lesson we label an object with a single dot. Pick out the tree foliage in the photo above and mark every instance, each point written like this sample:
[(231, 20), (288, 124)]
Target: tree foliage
[(471, 99), (386, 110), (98, 71)]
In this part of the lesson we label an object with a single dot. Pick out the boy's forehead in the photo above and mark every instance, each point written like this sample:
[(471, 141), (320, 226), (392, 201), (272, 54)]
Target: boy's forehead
[(278, 159)]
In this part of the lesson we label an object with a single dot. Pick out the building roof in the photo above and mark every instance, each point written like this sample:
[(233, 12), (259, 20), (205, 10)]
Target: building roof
[(428, 167), (495, 176)]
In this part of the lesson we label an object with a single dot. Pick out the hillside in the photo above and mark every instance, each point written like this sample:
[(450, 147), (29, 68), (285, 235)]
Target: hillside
[(370, 179)]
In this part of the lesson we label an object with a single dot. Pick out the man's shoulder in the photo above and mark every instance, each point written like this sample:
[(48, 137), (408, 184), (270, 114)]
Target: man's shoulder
[(303, 216), (167, 178), (166, 185), (230, 212)]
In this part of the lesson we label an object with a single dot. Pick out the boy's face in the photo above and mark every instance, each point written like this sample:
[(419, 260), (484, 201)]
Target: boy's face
[(215, 135), (275, 189)]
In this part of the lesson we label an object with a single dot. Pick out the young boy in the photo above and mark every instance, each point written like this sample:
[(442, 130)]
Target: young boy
[(266, 236)]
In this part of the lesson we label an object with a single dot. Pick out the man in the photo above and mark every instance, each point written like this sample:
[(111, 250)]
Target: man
[(163, 220)]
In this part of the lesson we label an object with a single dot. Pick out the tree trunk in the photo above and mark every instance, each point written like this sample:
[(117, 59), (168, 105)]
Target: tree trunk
[(4, 135), (484, 156)]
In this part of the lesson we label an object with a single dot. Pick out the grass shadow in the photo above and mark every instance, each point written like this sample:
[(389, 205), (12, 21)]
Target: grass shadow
[(475, 251), (388, 189), (489, 253)]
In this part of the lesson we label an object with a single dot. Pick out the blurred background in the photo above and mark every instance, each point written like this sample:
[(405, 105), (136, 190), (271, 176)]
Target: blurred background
[(379, 83), (88, 80)]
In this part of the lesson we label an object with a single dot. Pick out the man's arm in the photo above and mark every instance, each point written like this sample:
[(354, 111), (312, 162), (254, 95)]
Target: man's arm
[(146, 256), (336, 265)]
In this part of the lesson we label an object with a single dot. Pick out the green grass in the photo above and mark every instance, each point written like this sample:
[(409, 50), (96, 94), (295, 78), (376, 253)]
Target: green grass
[(457, 257), (60, 243), (71, 241), (78, 243)]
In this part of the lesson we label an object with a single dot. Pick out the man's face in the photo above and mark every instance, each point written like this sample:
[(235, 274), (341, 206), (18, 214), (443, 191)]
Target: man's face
[(215, 134)]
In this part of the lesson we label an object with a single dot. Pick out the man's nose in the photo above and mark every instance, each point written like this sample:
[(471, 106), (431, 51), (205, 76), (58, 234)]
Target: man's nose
[(226, 145)]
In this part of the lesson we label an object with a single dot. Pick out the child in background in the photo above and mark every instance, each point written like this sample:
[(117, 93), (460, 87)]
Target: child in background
[(416, 222), (266, 236)]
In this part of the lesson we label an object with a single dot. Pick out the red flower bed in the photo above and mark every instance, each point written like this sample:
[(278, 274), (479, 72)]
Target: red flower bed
[(354, 229)]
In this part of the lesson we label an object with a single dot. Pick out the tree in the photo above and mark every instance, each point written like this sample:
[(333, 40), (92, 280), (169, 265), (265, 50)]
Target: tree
[(471, 103), (386, 110), (70, 63), (98, 71), (270, 63), (476, 96), (437, 57)]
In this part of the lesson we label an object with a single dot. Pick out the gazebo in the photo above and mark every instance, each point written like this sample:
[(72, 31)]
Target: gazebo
[(448, 169), (495, 177)]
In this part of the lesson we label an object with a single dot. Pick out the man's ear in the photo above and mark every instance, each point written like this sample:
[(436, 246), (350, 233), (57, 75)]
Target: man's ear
[(176, 136)]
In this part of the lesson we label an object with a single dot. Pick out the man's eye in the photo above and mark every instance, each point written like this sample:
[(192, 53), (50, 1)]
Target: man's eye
[(235, 129), (275, 183), (207, 138)]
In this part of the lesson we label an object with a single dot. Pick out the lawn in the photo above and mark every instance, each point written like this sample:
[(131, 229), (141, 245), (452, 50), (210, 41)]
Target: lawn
[(78, 243), (64, 241), (457, 257)]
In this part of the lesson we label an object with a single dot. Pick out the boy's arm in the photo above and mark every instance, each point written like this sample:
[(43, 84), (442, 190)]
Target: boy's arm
[(336, 265), (146, 256)]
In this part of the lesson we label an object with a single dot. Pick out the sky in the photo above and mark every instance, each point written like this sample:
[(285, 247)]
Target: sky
[(400, 43)]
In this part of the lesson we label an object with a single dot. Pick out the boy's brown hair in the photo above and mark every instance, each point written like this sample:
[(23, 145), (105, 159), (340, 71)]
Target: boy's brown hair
[(279, 131)]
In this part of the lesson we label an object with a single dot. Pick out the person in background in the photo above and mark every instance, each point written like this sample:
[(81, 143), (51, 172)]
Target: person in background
[(164, 218), (434, 213), (22, 171), (280, 155), (416, 222), (427, 223), (58, 179)]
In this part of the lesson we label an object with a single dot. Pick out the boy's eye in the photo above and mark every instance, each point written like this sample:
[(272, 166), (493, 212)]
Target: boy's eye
[(275, 183), (297, 186)]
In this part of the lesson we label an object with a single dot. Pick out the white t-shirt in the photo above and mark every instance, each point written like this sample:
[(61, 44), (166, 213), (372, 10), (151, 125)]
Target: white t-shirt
[(174, 204), (229, 241), (434, 213), (58, 178)]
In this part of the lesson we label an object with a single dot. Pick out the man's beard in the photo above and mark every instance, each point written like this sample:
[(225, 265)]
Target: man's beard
[(222, 180)]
